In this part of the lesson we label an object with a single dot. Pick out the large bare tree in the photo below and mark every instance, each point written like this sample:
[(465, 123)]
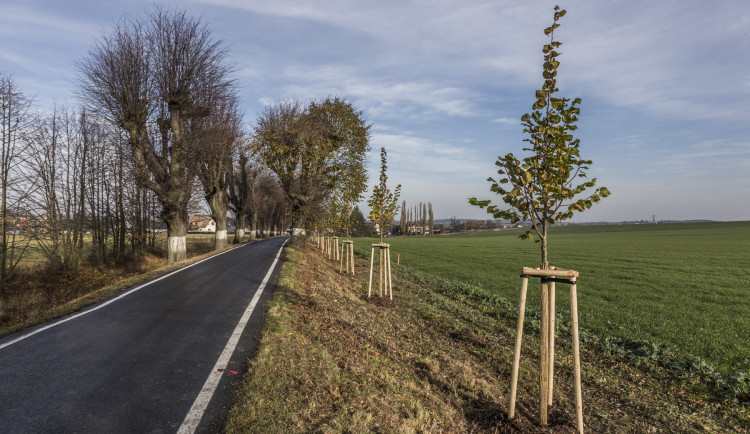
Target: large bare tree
[(219, 136), (155, 77), (243, 173)]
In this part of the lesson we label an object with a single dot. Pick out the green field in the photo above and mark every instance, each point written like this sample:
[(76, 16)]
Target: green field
[(686, 286)]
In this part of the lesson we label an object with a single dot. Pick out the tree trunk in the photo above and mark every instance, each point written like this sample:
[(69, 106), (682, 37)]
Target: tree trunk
[(240, 223), (218, 204), (543, 236), (176, 238), (3, 234), (254, 226)]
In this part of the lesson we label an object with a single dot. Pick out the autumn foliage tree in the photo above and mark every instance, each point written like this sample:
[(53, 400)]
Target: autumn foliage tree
[(550, 184), (316, 151)]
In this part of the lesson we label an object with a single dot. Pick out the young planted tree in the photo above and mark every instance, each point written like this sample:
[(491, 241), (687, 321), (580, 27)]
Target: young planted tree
[(548, 185), (383, 202)]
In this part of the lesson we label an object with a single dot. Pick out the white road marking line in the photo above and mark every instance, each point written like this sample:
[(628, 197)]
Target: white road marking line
[(194, 416), (55, 324)]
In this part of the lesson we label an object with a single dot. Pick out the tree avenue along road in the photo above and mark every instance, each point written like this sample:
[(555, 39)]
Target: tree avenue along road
[(138, 363)]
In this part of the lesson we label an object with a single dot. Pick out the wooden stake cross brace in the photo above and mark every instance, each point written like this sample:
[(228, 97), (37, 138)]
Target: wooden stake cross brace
[(547, 339), (335, 251), (385, 269), (347, 251)]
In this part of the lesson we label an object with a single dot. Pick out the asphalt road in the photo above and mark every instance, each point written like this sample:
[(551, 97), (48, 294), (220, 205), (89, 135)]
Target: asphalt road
[(138, 363)]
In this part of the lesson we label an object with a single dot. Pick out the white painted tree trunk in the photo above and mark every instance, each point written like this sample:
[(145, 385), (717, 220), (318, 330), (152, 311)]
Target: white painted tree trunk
[(221, 239), (177, 248)]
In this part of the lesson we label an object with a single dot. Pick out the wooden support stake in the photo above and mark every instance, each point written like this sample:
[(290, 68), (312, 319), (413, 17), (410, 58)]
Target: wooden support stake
[(551, 342), (372, 259), (351, 252), (543, 354), (380, 271), (547, 340), (390, 282), (517, 351), (384, 271), (576, 353), (341, 259)]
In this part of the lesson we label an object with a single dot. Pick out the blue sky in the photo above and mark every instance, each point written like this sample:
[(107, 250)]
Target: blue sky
[(665, 85)]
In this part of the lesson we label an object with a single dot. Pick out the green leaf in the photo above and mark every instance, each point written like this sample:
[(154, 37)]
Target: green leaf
[(526, 177)]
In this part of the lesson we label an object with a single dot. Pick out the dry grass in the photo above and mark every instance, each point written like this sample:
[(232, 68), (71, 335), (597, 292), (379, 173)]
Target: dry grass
[(435, 360), (35, 295)]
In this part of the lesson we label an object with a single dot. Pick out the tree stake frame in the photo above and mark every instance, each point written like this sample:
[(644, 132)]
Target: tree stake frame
[(548, 278)]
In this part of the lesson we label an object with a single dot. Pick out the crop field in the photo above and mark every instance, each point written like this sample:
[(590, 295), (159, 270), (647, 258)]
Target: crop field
[(686, 286)]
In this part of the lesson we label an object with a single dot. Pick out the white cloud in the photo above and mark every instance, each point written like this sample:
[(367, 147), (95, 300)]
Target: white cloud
[(507, 122), (669, 59), (431, 171), (665, 84), (396, 99)]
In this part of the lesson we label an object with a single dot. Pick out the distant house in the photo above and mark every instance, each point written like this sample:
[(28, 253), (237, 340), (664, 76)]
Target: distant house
[(201, 224), (418, 230)]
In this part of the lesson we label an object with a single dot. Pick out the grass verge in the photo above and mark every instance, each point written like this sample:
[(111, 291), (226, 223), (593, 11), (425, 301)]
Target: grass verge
[(438, 359)]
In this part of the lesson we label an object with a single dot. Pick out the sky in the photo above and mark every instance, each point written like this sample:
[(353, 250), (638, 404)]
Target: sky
[(665, 85)]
